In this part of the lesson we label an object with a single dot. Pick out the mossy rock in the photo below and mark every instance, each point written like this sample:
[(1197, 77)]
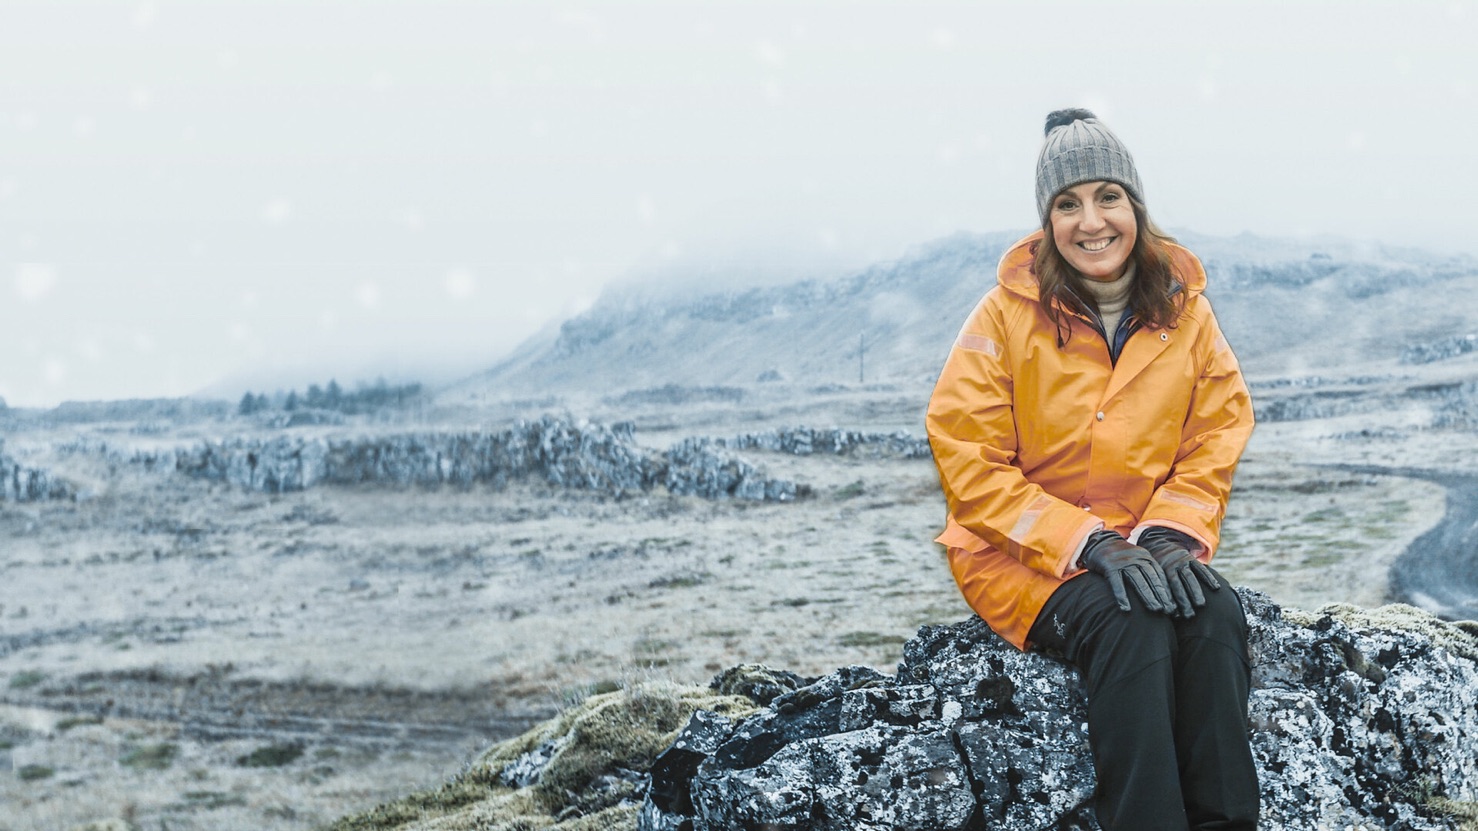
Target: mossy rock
[(1465, 811), (599, 737), (1460, 637)]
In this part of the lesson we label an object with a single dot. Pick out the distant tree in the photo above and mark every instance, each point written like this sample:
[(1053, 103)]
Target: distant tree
[(334, 394), (292, 401), (263, 403), (314, 398), (248, 404)]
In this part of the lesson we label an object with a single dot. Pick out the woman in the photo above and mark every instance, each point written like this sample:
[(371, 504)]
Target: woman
[(1086, 426)]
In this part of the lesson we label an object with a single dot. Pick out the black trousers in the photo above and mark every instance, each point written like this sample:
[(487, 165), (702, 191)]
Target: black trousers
[(1167, 706)]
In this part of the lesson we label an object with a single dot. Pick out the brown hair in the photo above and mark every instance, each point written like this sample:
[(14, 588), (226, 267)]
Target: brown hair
[(1152, 297)]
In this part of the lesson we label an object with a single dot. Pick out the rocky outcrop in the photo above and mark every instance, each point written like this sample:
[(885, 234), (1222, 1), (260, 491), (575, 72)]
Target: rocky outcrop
[(1439, 350), (1317, 405), (20, 483), (804, 441), (697, 468), (1449, 405), (581, 456), (1358, 719), (1454, 405)]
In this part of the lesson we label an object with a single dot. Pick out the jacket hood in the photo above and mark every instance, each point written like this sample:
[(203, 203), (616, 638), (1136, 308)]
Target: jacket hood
[(1015, 271)]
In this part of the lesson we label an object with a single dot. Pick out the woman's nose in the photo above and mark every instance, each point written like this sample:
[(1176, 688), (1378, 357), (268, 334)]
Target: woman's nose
[(1092, 219)]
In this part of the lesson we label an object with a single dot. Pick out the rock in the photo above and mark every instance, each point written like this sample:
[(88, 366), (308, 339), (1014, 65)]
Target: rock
[(698, 467), (582, 456), (1438, 350), (803, 441), (20, 483), (757, 682), (1358, 719)]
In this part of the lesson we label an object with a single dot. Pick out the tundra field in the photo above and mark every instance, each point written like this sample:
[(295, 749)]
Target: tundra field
[(186, 654)]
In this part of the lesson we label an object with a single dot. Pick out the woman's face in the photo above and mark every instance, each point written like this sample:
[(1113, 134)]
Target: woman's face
[(1094, 227)]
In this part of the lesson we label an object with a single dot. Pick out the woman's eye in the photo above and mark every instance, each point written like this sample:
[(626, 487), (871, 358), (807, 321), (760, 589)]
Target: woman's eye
[(1066, 205), (1110, 197)]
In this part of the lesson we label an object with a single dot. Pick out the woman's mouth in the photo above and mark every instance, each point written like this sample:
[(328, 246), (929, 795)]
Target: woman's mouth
[(1097, 245)]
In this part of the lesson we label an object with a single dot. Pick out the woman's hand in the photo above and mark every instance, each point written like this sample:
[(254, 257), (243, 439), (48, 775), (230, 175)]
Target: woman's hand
[(1185, 574), (1115, 558)]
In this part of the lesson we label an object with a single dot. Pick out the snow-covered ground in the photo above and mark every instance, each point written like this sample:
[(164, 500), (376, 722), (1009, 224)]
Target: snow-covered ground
[(160, 630)]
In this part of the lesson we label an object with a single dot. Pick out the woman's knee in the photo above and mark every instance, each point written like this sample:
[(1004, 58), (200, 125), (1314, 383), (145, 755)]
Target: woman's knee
[(1133, 638), (1221, 619)]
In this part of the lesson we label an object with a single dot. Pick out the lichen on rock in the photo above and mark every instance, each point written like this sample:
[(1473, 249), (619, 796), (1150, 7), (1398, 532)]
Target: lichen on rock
[(584, 769), (1358, 719)]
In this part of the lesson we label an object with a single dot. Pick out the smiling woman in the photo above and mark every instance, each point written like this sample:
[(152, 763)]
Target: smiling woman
[(1086, 426)]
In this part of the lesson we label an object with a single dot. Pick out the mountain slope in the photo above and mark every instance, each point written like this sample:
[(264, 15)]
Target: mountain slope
[(1287, 306)]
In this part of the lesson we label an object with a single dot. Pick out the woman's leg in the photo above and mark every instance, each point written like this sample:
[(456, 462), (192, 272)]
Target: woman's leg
[(1212, 677), (1167, 707), (1127, 663)]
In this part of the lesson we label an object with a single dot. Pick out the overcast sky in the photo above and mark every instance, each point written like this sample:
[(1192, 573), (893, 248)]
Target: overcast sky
[(198, 191)]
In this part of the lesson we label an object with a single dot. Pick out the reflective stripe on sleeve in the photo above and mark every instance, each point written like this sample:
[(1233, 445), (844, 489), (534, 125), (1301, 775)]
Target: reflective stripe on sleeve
[(978, 343)]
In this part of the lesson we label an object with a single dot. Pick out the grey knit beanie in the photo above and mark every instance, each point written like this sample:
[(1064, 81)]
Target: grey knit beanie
[(1079, 148)]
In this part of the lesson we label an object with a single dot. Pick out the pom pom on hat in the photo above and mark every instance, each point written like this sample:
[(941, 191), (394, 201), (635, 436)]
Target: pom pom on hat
[(1079, 148), (1062, 118)]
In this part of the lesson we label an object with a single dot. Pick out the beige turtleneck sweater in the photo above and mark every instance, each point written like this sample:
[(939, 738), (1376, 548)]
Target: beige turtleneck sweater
[(1112, 298)]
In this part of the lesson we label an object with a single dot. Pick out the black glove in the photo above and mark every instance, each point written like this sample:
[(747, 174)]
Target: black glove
[(1111, 555), (1185, 574)]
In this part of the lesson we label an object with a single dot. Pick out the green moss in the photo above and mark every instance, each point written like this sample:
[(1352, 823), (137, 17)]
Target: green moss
[(271, 756), (25, 679), (1465, 811), (869, 639), (625, 729), (33, 773), (1460, 638), (618, 818), (211, 800), (149, 757)]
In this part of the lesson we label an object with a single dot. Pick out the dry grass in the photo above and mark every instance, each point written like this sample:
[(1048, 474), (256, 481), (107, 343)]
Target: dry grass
[(596, 738)]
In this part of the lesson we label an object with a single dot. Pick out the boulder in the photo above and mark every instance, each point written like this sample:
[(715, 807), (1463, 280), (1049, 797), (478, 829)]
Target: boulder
[(1359, 719)]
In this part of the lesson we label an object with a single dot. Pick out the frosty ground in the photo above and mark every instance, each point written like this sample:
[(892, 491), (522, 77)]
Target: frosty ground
[(189, 655)]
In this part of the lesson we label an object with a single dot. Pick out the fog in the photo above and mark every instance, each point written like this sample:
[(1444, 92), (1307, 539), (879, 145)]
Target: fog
[(210, 197)]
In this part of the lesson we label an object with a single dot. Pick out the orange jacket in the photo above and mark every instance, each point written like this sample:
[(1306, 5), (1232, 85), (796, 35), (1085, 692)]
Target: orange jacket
[(1039, 446)]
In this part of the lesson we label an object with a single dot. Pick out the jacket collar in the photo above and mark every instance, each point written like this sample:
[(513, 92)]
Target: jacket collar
[(1015, 274)]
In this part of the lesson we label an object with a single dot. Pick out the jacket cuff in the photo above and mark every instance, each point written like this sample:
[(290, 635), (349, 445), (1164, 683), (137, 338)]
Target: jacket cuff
[(1075, 563), (1199, 546)]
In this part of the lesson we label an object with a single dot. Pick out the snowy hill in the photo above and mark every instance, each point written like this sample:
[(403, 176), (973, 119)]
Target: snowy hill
[(1288, 307)]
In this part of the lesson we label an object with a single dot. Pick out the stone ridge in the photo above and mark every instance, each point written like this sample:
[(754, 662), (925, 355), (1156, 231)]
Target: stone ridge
[(581, 456), (1439, 350), (1353, 726), (19, 483), (803, 441)]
